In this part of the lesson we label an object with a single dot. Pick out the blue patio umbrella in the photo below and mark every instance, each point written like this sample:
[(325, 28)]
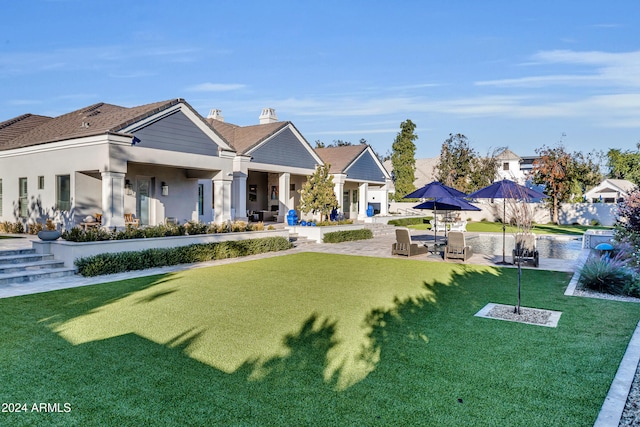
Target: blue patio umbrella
[(447, 204), (435, 190), (506, 189)]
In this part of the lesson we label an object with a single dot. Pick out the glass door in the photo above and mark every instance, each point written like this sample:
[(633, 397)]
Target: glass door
[(346, 204), (143, 200)]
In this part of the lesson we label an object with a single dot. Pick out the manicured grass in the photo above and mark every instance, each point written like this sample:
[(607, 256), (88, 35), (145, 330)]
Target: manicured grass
[(312, 339), (496, 227)]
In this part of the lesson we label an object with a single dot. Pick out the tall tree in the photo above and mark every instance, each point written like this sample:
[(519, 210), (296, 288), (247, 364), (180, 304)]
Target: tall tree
[(317, 194), (565, 176), (624, 164), (462, 168), (403, 159)]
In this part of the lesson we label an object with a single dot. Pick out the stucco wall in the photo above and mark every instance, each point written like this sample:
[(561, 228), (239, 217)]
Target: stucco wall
[(570, 213)]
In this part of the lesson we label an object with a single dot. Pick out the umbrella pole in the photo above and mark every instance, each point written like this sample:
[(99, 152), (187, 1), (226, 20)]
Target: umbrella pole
[(435, 224), (504, 227)]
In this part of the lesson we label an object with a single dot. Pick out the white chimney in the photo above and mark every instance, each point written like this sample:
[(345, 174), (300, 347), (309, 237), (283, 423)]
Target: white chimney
[(215, 114), (268, 116)]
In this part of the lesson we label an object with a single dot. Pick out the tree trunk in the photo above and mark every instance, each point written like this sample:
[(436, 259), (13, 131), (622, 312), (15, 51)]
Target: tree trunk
[(555, 210)]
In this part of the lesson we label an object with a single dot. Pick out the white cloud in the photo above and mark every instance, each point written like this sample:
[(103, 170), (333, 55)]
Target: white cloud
[(600, 69), (215, 87)]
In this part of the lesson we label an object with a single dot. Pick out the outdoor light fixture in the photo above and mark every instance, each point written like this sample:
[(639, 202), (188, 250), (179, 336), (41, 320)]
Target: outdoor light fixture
[(165, 188), (128, 188)]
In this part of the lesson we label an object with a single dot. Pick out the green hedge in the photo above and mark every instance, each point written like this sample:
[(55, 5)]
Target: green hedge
[(409, 221), (347, 235), (110, 263)]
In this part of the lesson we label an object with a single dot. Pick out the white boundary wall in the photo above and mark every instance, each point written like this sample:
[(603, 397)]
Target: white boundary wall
[(570, 213)]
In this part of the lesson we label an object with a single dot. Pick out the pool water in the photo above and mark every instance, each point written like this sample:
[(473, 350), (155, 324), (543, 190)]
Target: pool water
[(548, 246)]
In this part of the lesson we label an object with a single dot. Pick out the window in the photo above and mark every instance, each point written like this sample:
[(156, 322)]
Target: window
[(292, 187), (200, 199), (505, 166), (22, 197), (0, 197), (41, 183), (63, 192)]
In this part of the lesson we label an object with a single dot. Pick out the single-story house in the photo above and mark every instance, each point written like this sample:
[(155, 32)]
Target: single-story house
[(609, 191), (144, 161), (164, 161), (274, 160), (360, 179)]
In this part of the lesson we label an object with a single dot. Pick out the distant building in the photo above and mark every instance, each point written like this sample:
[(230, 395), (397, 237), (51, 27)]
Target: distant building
[(609, 191)]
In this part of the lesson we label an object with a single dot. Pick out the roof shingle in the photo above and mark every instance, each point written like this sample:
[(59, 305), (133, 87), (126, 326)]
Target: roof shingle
[(95, 119)]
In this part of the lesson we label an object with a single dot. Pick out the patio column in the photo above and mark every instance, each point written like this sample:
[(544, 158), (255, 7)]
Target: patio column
[(338, 188), (239, 196), (112, 199), (362, 200), (384, 203), (285, 202), (222, 203)]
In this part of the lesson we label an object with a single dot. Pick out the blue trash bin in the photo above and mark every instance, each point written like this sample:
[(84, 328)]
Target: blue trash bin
[(370, 210), (292, 217)]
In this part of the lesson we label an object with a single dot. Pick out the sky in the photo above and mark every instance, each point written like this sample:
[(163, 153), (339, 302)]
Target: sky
[(516, 74)]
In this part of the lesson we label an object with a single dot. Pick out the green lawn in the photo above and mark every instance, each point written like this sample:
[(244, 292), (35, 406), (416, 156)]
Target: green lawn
[(496, 227), (312, 339)]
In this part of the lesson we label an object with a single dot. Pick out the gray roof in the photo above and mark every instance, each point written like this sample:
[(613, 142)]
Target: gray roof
[(96, 119)]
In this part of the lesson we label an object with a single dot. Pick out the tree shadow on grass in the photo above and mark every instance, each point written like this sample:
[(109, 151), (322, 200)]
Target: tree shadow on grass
[(129, 380)]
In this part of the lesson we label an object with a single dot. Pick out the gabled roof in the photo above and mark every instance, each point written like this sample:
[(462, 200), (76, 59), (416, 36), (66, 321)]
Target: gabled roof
[(244, 138), (95, 119), (340, 158), (15, 127), (507, 154), (613, 185)]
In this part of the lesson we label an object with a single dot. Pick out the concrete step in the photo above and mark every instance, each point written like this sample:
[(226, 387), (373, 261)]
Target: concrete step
[(299, 240), (9, 252), (33, 275), (35, 265), (24, 258)]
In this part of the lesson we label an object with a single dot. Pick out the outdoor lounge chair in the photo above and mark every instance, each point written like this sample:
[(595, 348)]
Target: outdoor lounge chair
[(525, 249), (130, 219), (456, 247), (458, 226), (404, 245)]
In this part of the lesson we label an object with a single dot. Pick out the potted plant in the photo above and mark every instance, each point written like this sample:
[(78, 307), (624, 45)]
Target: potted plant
[(49, 233)]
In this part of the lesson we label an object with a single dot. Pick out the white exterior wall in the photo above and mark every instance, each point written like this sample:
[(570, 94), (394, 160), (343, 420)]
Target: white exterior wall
[(50, 161), (570, 213)]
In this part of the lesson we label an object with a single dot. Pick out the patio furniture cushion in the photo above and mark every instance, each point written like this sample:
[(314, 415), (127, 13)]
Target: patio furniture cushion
[(456, 247), (404, 245)]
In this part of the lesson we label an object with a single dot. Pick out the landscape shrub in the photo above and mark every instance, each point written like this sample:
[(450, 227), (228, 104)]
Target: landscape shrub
[(110, 263), (12, 227), (327, 223), (611, 275), (347, 235), (401, 222), (78, 234)]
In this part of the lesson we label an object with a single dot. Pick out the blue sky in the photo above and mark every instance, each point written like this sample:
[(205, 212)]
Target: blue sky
[(517, 74)]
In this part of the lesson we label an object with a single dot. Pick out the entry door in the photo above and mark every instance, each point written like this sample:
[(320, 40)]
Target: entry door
[(346, 204), (143, 200)]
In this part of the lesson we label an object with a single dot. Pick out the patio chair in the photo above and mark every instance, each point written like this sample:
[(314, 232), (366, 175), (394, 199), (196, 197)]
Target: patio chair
[(404, 245), (525, 249), (456, 247), (130, 219), (439, 226), (460, 225)]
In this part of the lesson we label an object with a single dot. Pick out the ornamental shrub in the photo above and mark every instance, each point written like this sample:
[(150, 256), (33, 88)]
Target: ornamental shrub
[(110, 263), (607, 274), (347, 235), (402, 222)]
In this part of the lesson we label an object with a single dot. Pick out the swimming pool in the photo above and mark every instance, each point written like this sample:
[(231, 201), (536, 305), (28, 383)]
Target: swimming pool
[(560, 247)]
